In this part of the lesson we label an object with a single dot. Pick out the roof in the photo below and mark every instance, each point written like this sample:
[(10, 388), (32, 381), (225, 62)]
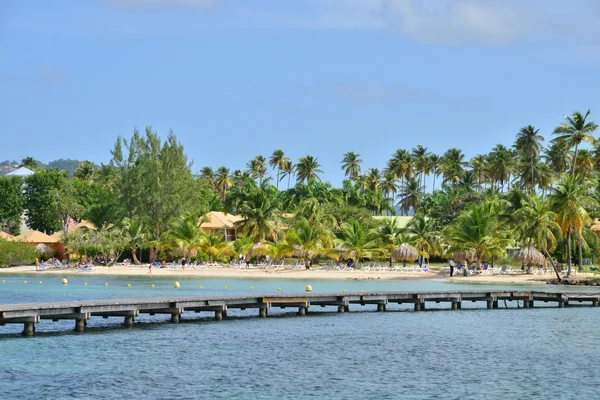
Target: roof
[(220, 220), (4, 235), (596, 225), (83, 224), (22, 171), (35, 237)]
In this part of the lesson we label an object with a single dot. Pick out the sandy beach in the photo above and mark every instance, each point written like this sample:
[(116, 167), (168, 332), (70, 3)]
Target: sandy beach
[(281, 273)]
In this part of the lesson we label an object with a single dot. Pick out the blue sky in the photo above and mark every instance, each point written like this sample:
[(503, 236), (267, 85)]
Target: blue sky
[(238, 78)]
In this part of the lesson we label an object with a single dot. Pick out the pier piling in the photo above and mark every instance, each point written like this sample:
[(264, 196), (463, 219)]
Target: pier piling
[(80, 325), (262, 312)]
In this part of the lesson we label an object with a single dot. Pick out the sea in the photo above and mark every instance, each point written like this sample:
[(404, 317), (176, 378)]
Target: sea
[(473, 353)]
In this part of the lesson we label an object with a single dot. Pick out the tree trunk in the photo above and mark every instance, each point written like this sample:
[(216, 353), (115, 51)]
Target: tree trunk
[(569, 251), (278, 172), (531, 167), (574, 160), (433, 190), (135, 259), (579, 245), (552, 263)]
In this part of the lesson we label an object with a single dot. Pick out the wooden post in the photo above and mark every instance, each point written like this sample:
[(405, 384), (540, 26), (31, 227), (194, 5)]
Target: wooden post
[(531, 303), (28, 329), (417, 305), (526, 302), (459, 305), (561, 304), (595, 303), (495, 303), (455, 305), (262, 312), (302, 311), (79, 325), (225, 313), (128, 321), (490, 304), (381, 307), (341, 309), (218, 315), (347, 308), (175, 318), (422, 306)]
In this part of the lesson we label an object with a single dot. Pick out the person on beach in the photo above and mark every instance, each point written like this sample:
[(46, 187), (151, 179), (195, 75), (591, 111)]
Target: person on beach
[(37, 264), (451, 263), (183, 261), (149, 269), (163, 264)]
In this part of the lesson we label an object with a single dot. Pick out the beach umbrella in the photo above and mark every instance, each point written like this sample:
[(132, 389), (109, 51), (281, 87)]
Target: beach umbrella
[(258, 249), (467, 255), (530, 255), (43, 250), (405, 252)]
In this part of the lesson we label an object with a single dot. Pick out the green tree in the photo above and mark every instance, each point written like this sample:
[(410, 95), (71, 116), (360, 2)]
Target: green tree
[(157, 182), (213, 245), (137, 233), (358, 242), (11, 206), (278, 161), (529, 146), (65, 205), (351, 165), (452, 165), (410, 196), (85, 171), (39, 199), (307, 169), (258, 168), (573, 132), (30, 163), (309, 238), (260, 215)]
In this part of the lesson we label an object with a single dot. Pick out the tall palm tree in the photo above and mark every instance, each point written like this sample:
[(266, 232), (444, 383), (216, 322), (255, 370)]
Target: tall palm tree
[(529, 145), (310, 238), (502, 161), (421, 161), (207, 174), (185, 234), (477, 165), (575, 131), (258, 168), (434, 165), (535, 224), (410, 196), (401, 165), (288, 170), (223, 182), (136, 231), (373, 179), (570, 202), (557, 157), (278, 160), (423, 236), (308, 169), (388, 185), (585, 163), (351, 165), (452, 165)]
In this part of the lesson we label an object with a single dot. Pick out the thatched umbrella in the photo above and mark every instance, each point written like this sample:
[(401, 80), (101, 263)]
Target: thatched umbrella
[(530, 255), (405, 252), (43, 250), (258, 249), (467, 256)]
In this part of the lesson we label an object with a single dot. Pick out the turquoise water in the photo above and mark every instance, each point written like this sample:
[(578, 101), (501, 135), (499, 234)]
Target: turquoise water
[(468, 354)]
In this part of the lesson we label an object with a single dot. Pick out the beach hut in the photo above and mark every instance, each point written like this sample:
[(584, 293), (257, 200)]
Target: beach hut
[(217, 221), (405, 252), (22, 171), (6, 236), (467, 256), (35, 237)]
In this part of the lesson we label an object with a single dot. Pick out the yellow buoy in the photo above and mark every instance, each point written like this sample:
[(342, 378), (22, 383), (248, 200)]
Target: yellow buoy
[(106, 284), (152, 285), (40, 282), (278, 288), (129, 285), (344, 290), (25, 282), (200, 287), (224, 287), (84, 283), (176, 285), (65, 281), (362, 291), (308, 288), (251, 287), (3, 281)]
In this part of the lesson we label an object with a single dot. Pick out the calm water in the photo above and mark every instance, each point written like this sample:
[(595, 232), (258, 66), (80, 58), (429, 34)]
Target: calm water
[(468, 354)]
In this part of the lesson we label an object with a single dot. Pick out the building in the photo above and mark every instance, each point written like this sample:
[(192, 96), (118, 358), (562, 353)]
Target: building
[(220, 223)]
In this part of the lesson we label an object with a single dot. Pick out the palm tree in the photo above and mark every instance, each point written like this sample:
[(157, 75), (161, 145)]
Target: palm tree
[(310, 238), (502, 162), (351, 165), (85, 171), (401, 165), (260, 215), (410, 196), (529, 146), (373, 179), (585, 164), (241, 245), (207, 174), (421, 161), (423, 237), (212, 244), (222, 182), (308, 169), (535, 225), (257, 167), (575, 131), (287, 170), (570, 202), (388, 185), (185, 234), (278, 160), (355, 240), (557, 157), (29, 162), (136, 231), (434, 165), (452, 165), (479, 231), (478, 164)]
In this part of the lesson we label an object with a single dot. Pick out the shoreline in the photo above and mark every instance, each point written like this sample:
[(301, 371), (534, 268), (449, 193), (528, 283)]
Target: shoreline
[(127, 271)]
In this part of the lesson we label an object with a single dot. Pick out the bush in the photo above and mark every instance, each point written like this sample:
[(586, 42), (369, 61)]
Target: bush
[(16, 253)]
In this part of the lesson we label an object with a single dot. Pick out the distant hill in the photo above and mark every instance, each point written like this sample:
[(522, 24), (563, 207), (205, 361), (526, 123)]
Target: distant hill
[(64, 165)]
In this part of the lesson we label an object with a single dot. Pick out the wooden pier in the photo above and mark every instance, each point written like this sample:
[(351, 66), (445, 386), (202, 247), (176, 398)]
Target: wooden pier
[(129, 309)]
